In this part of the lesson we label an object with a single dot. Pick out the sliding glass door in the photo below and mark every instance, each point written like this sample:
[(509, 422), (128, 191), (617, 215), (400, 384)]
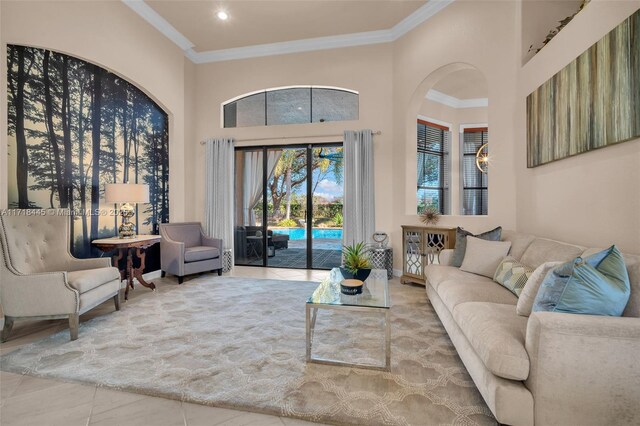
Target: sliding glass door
[(327, 194), (289, 206), (286, 204)]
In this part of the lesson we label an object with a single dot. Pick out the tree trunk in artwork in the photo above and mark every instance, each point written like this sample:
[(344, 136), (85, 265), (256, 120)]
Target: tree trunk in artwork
[(82, 188), (125, 133), (52, 189), (68, 153), (22, 153), (132, 136), (155, 187), (53, 138), (114, 157), (136, 146), (96, 122), (165, 176)]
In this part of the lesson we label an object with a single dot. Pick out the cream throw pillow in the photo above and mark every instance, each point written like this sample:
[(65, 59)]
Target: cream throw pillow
[(530, 290), (482, 257)]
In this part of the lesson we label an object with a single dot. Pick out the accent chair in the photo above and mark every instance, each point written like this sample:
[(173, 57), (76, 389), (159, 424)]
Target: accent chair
[(185, 250), (40, 279)]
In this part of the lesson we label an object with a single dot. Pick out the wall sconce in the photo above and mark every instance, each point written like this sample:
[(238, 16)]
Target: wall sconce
[(482, 158)]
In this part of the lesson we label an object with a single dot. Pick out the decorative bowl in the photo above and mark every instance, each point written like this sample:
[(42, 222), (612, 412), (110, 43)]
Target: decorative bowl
[(351, 287)]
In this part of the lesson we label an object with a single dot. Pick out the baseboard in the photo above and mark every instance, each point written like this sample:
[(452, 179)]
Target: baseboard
[(397, 272), (152, 275)]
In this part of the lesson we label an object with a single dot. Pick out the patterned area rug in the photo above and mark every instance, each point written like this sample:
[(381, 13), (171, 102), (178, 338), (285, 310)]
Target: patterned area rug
[(239, 343)]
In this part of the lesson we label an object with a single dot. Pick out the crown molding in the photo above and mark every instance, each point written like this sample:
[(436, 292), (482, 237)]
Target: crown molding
[(453, 102), (422, 14), (159, 23), (294, 46)]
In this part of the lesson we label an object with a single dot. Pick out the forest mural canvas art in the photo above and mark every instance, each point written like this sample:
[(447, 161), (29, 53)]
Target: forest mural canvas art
[(592, 103), (74, 127)]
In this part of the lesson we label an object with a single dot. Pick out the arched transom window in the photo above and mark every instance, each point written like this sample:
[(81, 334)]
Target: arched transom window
[(291, 105)]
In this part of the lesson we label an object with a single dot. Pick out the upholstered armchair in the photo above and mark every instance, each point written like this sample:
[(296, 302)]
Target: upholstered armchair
[(40, 279), (185, 250)]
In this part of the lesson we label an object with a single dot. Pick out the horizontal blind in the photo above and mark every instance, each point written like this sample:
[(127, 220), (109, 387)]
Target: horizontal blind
[(434, 166), (475, 184)]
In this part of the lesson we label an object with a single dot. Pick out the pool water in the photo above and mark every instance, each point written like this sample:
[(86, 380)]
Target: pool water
[(317, 233)]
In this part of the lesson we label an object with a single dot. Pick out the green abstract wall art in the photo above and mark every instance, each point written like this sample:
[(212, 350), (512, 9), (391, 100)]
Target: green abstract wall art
[(591, 103)]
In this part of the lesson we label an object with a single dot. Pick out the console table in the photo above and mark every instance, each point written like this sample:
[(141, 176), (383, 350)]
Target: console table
[(420, 247), (127, 247)]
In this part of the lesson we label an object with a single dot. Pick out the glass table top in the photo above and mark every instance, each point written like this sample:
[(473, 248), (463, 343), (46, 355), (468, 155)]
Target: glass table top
[(375, 293)]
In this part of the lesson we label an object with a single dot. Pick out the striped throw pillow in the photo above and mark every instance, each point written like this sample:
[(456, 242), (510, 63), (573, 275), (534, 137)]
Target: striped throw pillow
[(512, 275)]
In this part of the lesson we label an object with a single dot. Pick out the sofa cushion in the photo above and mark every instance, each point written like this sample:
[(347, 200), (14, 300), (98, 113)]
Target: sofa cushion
[(519, 242), (461, 242), (497, 335), (454, 293), (483, 257), (542, 251), (195, 254), (89, 279), (512, 275), (530, 290), (437, 274)]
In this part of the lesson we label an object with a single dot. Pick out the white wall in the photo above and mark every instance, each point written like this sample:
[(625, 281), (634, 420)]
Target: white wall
[(367, 70), (591, 199), (465, 34), (538, 17), (109, 34)]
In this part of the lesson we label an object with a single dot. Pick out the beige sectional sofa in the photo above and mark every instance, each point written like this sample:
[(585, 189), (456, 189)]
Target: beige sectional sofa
[(549, 368)]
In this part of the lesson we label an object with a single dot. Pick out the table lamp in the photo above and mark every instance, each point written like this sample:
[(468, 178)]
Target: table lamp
[(126, 194)]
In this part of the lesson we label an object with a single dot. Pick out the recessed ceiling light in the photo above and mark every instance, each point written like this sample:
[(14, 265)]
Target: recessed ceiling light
[(222, 15)]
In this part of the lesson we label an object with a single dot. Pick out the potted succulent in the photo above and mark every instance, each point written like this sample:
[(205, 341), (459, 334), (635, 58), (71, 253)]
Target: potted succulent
[(356, 261)]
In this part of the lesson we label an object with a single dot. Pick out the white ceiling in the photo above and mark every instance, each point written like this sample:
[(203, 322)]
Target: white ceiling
[(265, 27), (461, 89), (463, 84), (260, 22)]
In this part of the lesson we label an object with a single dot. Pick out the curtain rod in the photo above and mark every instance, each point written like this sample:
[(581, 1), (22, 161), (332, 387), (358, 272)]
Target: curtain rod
[(377, 132)]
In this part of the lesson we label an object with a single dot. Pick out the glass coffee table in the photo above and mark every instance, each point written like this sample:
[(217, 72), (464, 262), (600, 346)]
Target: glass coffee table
[(374, 298)]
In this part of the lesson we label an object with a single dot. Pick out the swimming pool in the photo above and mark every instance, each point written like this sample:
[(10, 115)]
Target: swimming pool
[(317, 233)]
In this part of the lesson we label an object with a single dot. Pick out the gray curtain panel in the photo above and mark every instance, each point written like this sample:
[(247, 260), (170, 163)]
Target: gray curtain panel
[(252, 193), (219, 203), (359, 202)]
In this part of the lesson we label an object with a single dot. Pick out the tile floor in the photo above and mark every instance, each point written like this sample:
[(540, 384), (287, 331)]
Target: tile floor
[(30, 401)]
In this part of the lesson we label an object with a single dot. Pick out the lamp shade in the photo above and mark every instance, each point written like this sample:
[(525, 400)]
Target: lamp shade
[(126, 193)]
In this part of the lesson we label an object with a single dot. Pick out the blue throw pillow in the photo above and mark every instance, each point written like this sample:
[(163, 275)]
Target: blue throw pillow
[(594, 285)]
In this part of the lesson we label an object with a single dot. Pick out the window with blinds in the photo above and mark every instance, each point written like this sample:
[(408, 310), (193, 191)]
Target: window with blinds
[(434, 167), (475, 184)]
